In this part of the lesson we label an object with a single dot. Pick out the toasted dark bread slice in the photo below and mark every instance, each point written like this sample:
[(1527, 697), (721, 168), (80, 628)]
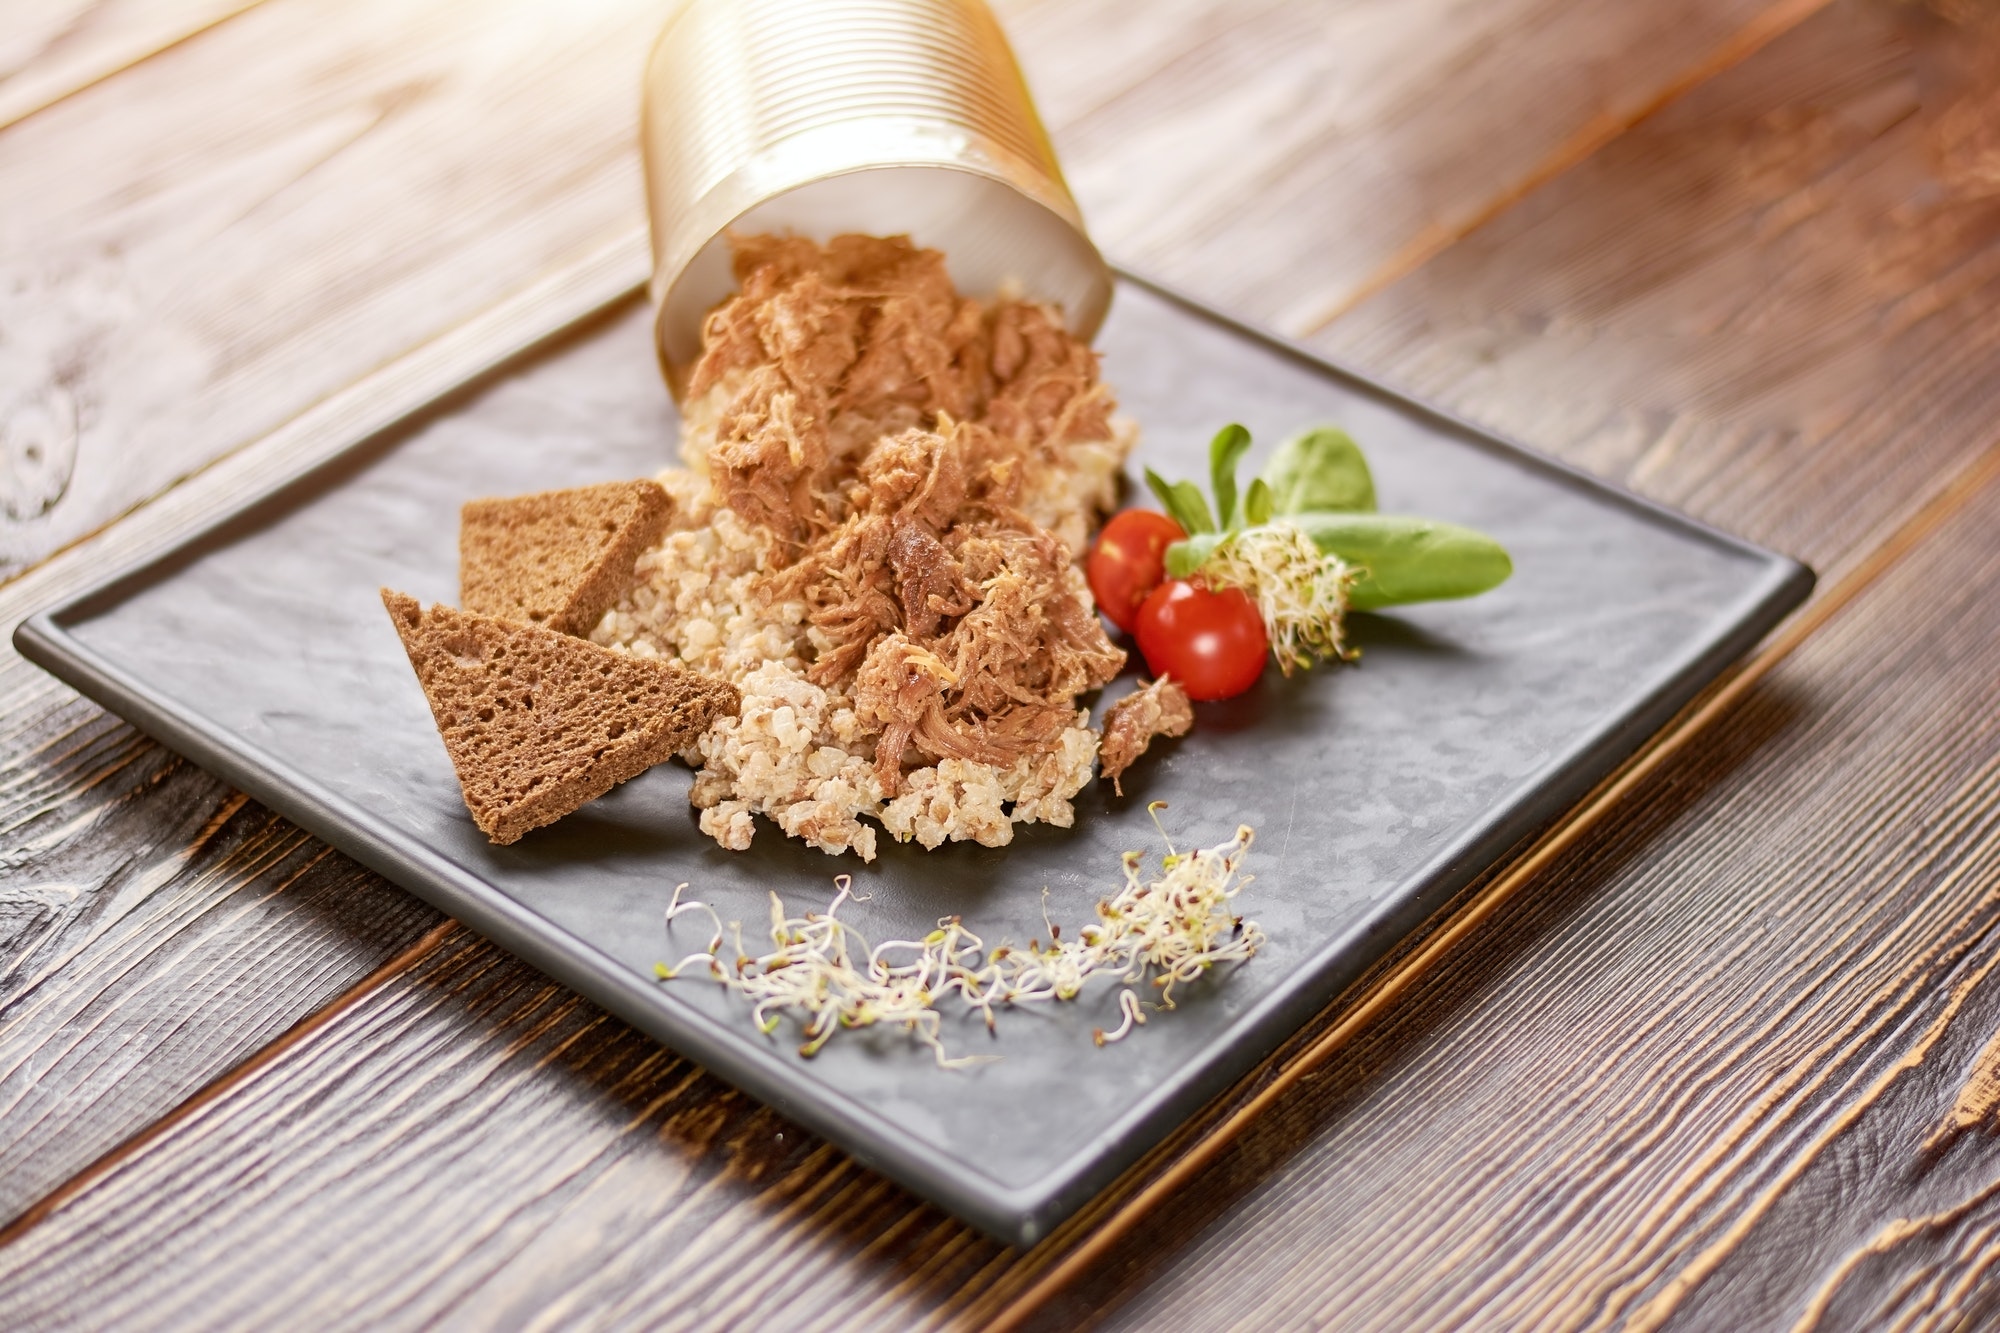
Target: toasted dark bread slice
[(559, 559), (536, 722)]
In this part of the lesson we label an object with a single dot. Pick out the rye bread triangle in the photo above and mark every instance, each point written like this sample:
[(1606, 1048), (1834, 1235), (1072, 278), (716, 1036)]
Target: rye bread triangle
[(536, 722), (560, 559)]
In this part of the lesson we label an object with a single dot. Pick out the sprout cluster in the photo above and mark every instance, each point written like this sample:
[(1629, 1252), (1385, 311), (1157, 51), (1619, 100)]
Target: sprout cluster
[(1159, 932), (1300, 591)]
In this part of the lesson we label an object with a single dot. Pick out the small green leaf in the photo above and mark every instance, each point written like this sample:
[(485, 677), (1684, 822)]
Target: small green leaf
[(1185, 557), (1258, 506), (1224, 451), (1183, 502), (1401, 560), (1321, 471)]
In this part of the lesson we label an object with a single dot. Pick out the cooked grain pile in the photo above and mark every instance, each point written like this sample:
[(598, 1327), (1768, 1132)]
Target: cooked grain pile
[(886, 485)]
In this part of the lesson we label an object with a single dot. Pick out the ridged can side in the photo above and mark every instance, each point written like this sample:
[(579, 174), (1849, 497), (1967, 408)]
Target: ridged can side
[(828, 116)]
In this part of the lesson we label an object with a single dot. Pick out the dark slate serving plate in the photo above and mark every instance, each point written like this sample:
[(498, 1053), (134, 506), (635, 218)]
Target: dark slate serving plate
[(261, 651)]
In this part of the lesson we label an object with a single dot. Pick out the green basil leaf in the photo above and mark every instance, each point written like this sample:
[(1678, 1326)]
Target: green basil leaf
[(1228, 446), (1183, 502), (1400, 560), (1321, 471), (1185, 557), (1258, 506)]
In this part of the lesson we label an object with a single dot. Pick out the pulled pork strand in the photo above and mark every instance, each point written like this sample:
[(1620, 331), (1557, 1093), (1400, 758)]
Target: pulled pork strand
[(1158, 709), (821, 353)]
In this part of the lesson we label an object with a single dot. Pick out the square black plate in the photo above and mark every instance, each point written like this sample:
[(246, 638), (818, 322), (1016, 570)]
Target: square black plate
[(261, 651)]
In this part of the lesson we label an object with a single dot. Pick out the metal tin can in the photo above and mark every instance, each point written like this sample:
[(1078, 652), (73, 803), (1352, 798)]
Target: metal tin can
[(821, 117)]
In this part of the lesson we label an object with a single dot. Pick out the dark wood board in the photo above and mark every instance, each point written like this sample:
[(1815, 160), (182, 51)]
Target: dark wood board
[(1090, 63), (99, 977), (110, 1012), (1769, 306), (184, 273), (1717, 1071), (1822, 201)]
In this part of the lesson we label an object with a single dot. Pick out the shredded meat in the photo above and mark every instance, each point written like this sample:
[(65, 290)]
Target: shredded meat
[(883, 428), (822, 352), (1046, 391), (848, 587), (928, 582), (900, 689), (1159, 709)]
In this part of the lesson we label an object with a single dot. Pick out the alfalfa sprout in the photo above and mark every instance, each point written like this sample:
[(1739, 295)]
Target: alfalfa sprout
[(1153, 933), (1300, 590)]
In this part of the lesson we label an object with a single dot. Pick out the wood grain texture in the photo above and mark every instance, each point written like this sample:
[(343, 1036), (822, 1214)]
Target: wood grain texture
[(51, 48), (1642, 1092), (133, 882), (146, 952), (654, 1193), (188, 277), (1693, 1080), (302, 245), (1285, 159), (1576, 290), (1128, 1208), (670, 1210), (1769, 306), (1793, 733)]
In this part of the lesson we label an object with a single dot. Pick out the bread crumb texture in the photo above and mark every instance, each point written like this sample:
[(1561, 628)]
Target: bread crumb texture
[(537, 722), (874, 540), (558, 559)]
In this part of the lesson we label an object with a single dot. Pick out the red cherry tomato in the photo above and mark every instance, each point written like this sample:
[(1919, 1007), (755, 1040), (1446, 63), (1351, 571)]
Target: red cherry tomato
[(1213, 643), (1129, 561)]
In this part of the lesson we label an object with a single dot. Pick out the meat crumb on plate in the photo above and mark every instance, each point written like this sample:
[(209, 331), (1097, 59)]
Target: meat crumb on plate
[(1158, 709)]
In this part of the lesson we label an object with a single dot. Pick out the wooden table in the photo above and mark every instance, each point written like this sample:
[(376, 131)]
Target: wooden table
[(1718, 1051)]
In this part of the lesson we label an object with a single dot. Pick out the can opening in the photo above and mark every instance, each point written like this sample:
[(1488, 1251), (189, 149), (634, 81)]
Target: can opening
[(994, 238)]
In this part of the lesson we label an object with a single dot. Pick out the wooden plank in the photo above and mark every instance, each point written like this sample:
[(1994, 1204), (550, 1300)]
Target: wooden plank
[(1641, 1092), (293, 252), (1353, 139), (1229, 1235), (603, 1121), (398, 91), (134, 883), (187, 277), (1400, 980), (1741, 302), (1800, 761), (146, 949), (1671, 257), (1809, 990), (51, 48)]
